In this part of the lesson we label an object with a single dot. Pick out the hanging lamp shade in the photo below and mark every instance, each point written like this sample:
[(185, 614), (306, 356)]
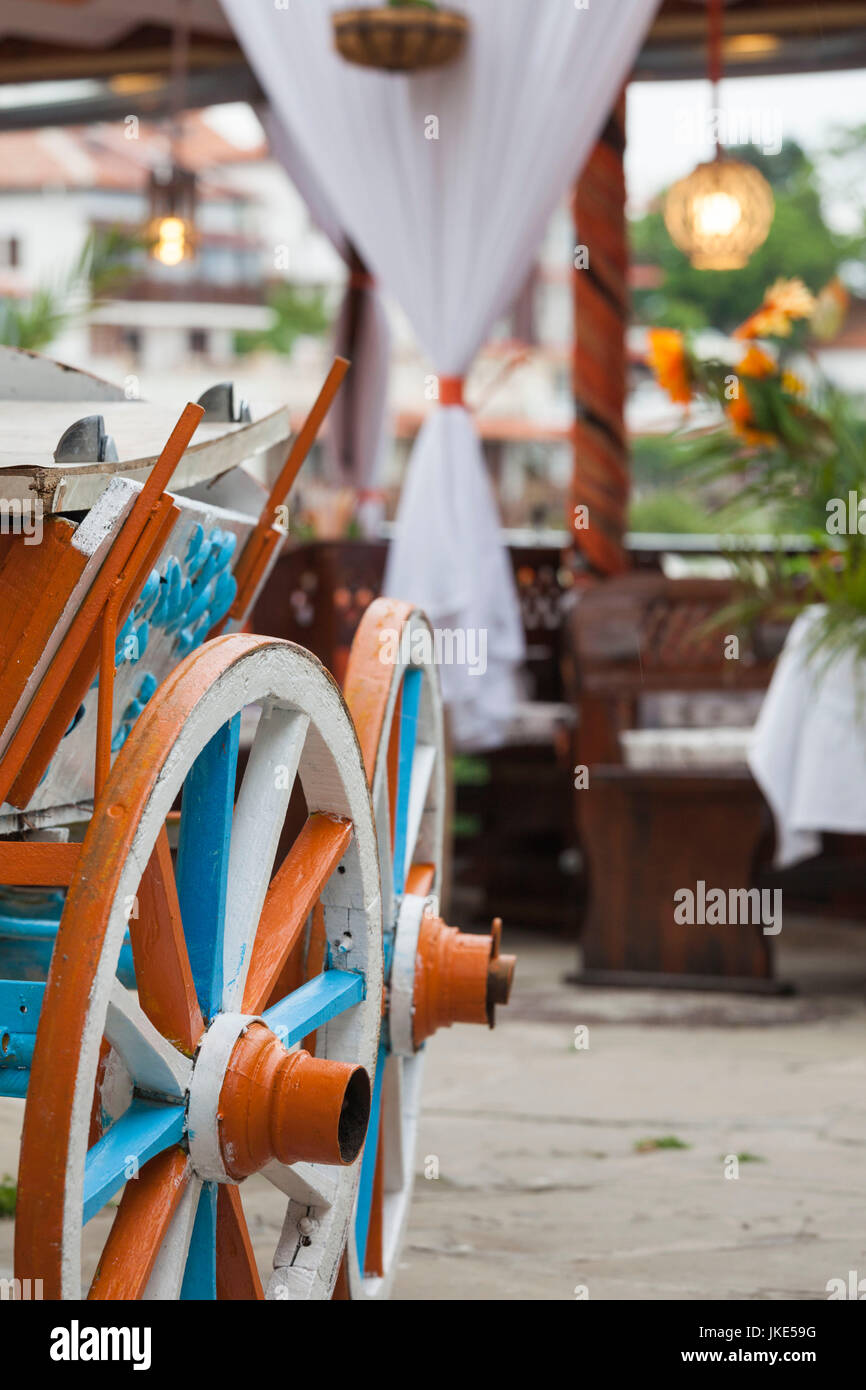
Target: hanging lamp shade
[(720, 213), (171, 236), (400, 37)]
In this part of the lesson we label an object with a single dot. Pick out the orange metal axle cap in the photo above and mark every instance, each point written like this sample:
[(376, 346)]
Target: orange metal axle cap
[(460, 977), (289, 1106)]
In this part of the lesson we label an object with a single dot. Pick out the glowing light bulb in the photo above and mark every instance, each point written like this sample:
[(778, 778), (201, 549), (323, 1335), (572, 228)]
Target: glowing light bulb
[(717, 214), (171, 244)]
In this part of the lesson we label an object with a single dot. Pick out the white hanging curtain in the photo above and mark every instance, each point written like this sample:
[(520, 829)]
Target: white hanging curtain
[(355, 438), (445, 181)]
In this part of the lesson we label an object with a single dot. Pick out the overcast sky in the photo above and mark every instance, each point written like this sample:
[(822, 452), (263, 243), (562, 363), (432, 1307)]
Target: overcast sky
[(667, 133)]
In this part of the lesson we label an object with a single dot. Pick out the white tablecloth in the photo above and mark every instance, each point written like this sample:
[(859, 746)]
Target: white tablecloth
[(670, 750), (808, 752)]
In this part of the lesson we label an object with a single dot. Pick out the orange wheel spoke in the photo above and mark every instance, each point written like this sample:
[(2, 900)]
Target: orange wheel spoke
[(96, 1107), (420, 879), (237, 1274), (291, 897), (315, 962), (146, 1208), (162, 970)]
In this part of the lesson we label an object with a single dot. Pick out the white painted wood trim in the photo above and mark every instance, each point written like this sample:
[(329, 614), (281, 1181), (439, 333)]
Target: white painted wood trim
[(259, 816), (166, 1277), (28, 438), (150, 1059)]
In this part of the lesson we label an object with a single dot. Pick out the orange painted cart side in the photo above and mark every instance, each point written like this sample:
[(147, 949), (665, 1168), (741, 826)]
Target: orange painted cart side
[(175, 1096)]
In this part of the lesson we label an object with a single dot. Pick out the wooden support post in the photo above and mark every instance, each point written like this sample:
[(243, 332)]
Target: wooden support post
[(600, 487)]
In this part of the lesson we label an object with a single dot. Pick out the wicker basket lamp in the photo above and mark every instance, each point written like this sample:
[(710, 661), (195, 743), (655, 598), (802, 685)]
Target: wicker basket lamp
[(723, 210), (401, 37), (720, 214)]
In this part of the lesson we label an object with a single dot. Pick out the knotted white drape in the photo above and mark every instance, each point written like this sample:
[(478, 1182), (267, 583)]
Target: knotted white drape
[(445, 182), (356, 421)]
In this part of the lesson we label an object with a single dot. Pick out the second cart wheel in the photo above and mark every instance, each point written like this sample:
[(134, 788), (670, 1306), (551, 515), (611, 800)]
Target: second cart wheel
[(215, 1088), (392, 691), (435, 975)]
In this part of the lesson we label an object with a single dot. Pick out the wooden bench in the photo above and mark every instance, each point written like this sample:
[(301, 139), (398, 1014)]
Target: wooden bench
[(666, 808)]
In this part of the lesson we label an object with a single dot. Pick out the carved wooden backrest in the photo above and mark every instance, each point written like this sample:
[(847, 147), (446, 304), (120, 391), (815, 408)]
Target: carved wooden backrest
[(642, 635)]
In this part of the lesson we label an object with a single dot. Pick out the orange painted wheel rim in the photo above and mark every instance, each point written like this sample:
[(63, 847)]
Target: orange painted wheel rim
[(313, 1092), (445, 976)]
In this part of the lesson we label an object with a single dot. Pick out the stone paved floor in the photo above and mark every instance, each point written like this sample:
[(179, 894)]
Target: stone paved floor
[(541, 1187)]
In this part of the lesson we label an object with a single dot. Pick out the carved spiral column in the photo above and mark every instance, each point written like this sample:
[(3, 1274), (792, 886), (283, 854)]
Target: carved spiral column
[(601, 477)]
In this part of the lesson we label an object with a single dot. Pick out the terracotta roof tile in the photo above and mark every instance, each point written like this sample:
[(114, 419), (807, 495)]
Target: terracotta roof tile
[(101, 156)]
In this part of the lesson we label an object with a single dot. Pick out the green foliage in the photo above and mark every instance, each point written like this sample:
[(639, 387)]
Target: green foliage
[(675, 479), (297, 313), (666, 1141), (799, 244), (99, 269), (651, 459), (819, 455), (469, 771), (8, 1194), (465, 826), (667, 511)]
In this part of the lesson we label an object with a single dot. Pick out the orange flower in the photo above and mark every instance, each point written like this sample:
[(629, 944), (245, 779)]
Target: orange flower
[(740, 415), (756, 364), (783, 302), (667, 358)]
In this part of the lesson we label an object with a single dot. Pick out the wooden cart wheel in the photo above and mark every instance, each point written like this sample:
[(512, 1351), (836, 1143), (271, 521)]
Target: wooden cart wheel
[(435, 975), (216, 1089), (392, 690)]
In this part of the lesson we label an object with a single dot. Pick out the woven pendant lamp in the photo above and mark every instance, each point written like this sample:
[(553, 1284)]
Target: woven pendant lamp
[(403, 36), (722, 211)]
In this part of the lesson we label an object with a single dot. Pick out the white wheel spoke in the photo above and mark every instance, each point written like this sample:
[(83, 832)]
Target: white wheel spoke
[(382, 813), (298, 1258), (310, 1184), (258, 821), (422, 770), (392, 1125), (166, 1277), (152, 1062)]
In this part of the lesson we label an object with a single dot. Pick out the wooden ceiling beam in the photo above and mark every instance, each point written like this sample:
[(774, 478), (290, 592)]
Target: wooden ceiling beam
[(23, 61), (790, 20)]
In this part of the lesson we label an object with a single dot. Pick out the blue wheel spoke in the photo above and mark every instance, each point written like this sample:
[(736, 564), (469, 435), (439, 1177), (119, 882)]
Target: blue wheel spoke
[(14, 1083), (203, 860), (368, 1162), (20, 1006), (405, 757), (143, 1131), (199, 1278), (320, 999)]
